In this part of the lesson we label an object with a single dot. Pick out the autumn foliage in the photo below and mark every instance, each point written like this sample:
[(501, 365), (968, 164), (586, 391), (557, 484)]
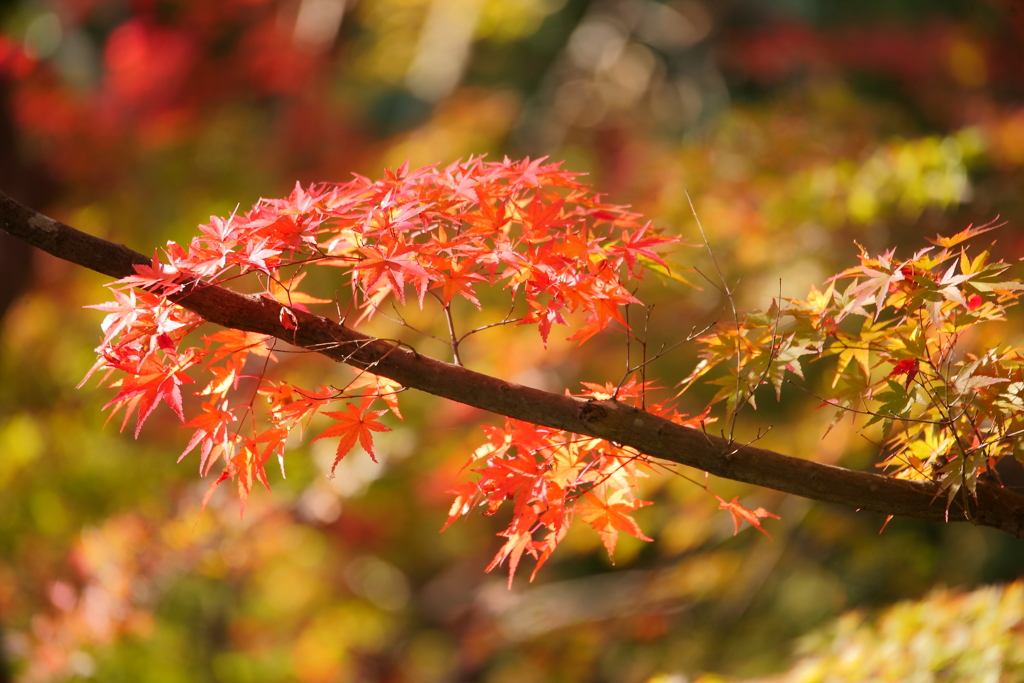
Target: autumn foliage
[(433, 234), (530, 229), (900, 331)]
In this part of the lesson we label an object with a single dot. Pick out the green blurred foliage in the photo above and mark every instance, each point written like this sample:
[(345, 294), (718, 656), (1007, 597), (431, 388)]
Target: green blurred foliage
[(796, 128)]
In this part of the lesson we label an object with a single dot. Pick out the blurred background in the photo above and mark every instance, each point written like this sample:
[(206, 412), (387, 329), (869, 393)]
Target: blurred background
[(797, 127)]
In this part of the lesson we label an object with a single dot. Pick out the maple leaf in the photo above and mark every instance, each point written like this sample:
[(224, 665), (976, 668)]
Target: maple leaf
[(609, 517), (875, 287), (238, 343), (289, 406), (157, 276), (531, 172), (460, 281), (256, 255), (466, 496), (288, 319), (247, 466), (383, 388), (498, 442), (212, 432), (224, 476), (275, 438), (451, 230), (603, 312), (503, 251), (543, 214), (462, 188), (544, 317), (519, 541), (966, 380), (354, 424), (859, 350), (637, 245), (541, 550), (398, 262), (510, 478), (740, 513), (220, 230), (299, 201), (122, 312), (964, 235), (145, 389), (908, 367)]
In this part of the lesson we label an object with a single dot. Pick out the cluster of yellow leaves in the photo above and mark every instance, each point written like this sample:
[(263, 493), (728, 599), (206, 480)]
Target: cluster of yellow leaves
[(896, 328)]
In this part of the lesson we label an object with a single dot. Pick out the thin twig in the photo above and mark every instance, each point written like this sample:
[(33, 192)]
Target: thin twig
[(447, 308), (404, 323), (732, 304), (892, 416), (504, 321), (643, 358), (665, 350)]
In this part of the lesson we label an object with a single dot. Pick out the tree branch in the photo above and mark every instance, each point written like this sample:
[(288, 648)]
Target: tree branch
[(995, 506)]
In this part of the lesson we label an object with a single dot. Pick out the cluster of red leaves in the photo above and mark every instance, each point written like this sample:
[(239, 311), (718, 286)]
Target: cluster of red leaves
[(522, 226), (553, 477)]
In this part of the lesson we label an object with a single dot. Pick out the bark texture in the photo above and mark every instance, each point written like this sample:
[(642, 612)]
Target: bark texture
[(994, 506)]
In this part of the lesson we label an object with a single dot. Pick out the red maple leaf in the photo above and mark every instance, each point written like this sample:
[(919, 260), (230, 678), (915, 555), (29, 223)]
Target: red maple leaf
[(641, 244), (258, 256), (354, 424), (908, 367), (145, 388), (398, 263), (156, 277), (211, 431)]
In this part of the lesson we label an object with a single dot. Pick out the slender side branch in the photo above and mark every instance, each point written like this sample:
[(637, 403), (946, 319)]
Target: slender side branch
[(654, 436)]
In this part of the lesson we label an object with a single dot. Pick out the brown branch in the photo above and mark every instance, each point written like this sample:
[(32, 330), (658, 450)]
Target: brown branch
[(995, 506)]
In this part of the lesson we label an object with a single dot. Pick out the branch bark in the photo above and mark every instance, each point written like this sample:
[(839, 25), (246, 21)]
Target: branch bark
[(994, 506)]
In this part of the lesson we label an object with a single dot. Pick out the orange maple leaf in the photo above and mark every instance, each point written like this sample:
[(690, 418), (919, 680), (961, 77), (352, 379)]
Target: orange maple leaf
[(609, 517), (383, 388), (740, 513), (239, 343), (519, 541), (964, 235), (460, 281)]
